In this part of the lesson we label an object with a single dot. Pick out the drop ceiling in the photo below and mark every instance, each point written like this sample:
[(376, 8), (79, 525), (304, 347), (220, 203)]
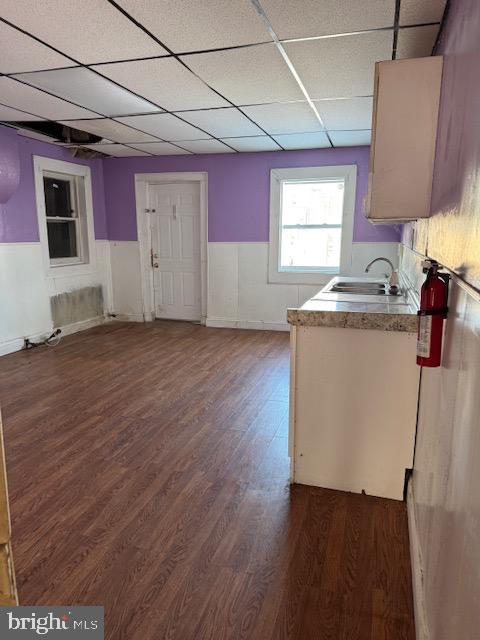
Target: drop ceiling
[(160, 77)]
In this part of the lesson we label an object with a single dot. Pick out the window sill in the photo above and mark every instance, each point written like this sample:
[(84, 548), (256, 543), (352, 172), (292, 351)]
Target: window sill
[(72, 263), (70, 269)]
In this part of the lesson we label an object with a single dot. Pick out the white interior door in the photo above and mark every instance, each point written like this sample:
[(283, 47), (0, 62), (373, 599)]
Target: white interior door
[(175, 232)]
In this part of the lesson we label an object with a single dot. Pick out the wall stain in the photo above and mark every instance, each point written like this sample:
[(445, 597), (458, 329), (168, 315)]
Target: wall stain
[(75, 306)]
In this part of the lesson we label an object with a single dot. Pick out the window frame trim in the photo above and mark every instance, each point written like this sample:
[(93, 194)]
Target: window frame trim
[(86, 261), (348, 173)]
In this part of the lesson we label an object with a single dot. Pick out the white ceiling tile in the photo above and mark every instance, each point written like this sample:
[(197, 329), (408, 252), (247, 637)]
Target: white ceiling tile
[(415, 12), (161, 149), (117, 150), (354, 113), (416, 42), (91, 30), (22, 53), (350, 138), (247, 76), (306, 18), (7, 114), (253, 143), (164, 81), (222, 123), (206, 146), (165, 126), (284, 118), (110, 129), (192, 25), (340, 67), (88, 89), (316, 140), (20, 96)]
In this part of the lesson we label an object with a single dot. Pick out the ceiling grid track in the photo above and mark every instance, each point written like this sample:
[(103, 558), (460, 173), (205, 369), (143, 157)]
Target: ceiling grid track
[(200, 124), (396, 22), (289, 63), (184, 64), (91, 65), (83, 66)]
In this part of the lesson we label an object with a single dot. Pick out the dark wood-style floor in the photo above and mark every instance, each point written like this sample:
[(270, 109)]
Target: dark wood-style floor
[(148, 473)]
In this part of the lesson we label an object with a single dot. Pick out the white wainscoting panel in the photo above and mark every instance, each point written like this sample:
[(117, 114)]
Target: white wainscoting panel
[(239, 294), (258, 300), (222, 280), (25, 303), (126, 280), (25, 291), (364, 252), (99, 274)]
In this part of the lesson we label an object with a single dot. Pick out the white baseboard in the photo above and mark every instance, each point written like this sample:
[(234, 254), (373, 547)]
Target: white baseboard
[(16, 344), (421, 624), (129, 317), (225, 323), (11, 346), (68, 329)]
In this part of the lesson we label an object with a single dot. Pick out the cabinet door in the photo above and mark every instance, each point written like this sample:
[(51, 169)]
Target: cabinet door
[(404, 130)]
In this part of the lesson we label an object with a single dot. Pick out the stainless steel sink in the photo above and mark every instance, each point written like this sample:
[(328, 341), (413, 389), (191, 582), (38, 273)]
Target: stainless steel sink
[(360, 288), (371, 287)]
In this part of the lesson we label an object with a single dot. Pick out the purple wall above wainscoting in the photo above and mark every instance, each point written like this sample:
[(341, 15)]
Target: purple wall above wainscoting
[(238, 191), (18, 218)]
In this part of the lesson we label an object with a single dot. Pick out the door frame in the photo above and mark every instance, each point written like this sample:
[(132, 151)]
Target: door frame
[(142, 183)]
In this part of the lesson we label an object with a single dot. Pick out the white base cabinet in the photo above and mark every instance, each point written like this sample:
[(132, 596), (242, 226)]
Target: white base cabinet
[(353, 408)]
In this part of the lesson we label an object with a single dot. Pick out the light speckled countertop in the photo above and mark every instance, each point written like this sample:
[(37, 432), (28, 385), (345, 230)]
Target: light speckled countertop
[(353, 311)]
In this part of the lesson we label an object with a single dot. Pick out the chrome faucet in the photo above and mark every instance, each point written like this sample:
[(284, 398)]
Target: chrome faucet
[(393, 279)]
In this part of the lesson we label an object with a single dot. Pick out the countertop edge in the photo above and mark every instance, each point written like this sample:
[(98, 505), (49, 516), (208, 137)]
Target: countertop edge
[(402, 322)]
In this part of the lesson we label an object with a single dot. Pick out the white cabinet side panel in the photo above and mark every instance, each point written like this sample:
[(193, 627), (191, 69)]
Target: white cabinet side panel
[(356, 399)]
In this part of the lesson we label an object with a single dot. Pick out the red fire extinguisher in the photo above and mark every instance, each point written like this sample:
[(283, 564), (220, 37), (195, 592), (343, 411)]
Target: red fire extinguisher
[(433, 311)]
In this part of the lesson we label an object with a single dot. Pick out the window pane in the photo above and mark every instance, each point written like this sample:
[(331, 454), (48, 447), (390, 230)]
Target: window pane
[(314, 248), (62, 239), (58, 200), (312, 202)]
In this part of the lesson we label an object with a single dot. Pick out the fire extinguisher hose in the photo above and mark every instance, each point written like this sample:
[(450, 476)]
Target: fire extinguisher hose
[(433, 312)]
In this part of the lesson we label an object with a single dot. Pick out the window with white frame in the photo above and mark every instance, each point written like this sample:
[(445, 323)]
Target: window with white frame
[(65, 212), (311, 223)]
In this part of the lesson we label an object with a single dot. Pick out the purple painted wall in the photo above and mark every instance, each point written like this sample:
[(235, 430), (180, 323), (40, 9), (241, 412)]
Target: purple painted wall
[(445, 481), (18, 218), (454, 228), (238, 191), (238, 187)]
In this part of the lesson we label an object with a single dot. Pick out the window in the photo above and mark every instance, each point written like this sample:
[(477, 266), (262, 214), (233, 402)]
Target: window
[(311, 222), (65, 212), (63, 220)]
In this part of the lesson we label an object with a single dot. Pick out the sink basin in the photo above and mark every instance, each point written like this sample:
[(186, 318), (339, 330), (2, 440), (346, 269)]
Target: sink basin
[(359, 283), (360, 288), (359, 291)]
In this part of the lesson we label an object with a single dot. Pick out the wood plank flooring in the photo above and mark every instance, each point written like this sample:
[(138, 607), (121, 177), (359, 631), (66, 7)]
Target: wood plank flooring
[(148, 473)]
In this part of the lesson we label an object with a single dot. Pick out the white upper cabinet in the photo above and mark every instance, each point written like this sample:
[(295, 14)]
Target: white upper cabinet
[(404, 130)]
